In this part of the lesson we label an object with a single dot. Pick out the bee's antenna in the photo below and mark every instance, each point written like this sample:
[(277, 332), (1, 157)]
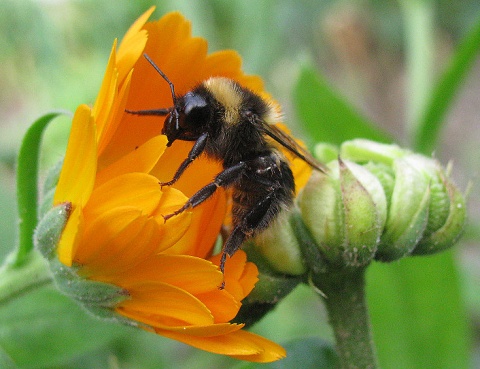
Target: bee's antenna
[(172, 88), (170, 83)]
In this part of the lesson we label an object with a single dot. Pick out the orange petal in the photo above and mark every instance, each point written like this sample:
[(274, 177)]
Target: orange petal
[(115, 116), (240, 275), (103, 233), (78, 172), (221, 303), (71, 237), (226, 63), (207, 330), (301, 172), (139, 190), (186, 272), (143, 159), (270, 350), (136, 27), (133, 44), (176, 227), (248, 279), (103, 104), (239, 344), (123, 251), (204, 228), (164, 305), (197, 276)]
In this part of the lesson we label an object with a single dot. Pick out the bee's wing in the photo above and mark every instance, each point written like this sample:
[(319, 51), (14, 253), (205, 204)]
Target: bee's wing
[(289, 143)]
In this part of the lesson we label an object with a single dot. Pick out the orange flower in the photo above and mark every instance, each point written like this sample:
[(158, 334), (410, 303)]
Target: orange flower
[(116, 234)]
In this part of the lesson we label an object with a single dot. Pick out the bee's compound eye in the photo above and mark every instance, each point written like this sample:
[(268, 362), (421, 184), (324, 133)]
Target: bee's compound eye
[(195, 110), (193, 102)]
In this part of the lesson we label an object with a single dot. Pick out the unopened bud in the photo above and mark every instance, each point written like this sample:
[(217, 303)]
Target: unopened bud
[(345, 211)]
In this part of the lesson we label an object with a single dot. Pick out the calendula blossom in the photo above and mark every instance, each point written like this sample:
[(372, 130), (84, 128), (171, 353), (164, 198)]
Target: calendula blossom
[(165, 272)]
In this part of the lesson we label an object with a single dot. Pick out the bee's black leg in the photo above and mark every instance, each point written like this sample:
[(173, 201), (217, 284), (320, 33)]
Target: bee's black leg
[(247, 226), (194, 153), (223, 179)]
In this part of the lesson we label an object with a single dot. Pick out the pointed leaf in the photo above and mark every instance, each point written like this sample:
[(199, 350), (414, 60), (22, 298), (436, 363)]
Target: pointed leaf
[(417, 314), (445, 91)]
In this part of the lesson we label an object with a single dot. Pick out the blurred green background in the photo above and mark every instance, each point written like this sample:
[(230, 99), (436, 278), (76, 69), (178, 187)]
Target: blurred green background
[(53, 55)]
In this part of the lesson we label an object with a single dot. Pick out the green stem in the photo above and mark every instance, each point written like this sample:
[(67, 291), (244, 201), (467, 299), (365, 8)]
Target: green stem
[(15, 281), (344, 295), (27, 195), (418, 16)]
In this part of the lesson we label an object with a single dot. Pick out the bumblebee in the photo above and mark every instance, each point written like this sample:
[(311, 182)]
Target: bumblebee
[(233, 125)]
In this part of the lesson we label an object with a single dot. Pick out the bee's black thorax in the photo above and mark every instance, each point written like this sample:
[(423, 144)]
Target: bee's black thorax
[(230, 121)]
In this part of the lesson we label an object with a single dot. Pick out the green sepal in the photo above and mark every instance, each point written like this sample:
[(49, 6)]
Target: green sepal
[(364, 217), (279, 247), (345, 212), (85, 291), (51, 180), (270, 288), (49, 230), (46, 203), (268, 292), (109, 315), (385, 175), (313, 257), (451, 230), (439, 196), (361, 150), (408, 212), (322, 212)]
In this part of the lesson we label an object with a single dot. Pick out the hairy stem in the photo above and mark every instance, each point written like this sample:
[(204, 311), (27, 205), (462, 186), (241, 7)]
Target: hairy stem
[(344, 295), (15, 281)]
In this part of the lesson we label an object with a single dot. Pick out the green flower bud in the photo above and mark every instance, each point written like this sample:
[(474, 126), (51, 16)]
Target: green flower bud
[(426, 212), (345, 211), (378, 201), (447, 214), (408, 212), (279, 247)]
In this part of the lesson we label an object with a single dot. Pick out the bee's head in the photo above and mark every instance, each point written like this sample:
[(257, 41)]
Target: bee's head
[(189, 116), (186, 120)]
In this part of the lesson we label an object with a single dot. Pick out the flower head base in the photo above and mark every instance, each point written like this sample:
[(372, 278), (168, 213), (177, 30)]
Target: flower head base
[(115, 243)]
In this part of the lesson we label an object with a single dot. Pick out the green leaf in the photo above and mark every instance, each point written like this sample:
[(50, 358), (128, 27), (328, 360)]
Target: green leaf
[(45, 329), (445, 91), (417, 314), (328, 117), (27, 194)]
